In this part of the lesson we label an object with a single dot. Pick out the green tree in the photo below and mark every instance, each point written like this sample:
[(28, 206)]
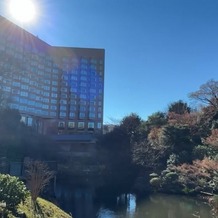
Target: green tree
[(131, 126), (150, 156), (179, 140), (179, 107), (157, 119), (115, 152), (12, 191)]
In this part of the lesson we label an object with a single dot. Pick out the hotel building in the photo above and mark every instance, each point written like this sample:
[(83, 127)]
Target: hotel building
[(58, 90)]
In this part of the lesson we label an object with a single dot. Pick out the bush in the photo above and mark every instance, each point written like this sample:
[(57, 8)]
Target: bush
[(200, 151), (156, 182), (12, 191), (153, 175), (171, 177)]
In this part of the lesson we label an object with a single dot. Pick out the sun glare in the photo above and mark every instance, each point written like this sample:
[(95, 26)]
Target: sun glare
[(22, 10)]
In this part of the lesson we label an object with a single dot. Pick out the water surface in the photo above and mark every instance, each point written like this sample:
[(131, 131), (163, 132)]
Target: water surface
[(84, 203)]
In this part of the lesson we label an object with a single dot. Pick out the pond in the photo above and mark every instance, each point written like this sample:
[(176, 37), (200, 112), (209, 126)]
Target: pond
[(84, 203)]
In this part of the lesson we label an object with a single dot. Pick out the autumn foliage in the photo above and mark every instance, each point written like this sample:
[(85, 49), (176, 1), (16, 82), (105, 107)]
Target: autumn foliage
[(212, 139)]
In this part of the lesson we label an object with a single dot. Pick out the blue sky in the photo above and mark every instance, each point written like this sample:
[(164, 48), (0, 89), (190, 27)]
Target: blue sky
[(157, 51)]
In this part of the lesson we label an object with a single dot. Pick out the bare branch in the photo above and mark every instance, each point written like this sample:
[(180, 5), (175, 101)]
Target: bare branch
[(38, 176), (207, 94)]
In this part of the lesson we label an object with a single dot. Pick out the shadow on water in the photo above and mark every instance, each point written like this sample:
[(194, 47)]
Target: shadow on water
[(87, 202)]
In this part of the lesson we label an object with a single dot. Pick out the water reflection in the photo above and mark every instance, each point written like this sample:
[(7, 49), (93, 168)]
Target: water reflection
[(84, 203)]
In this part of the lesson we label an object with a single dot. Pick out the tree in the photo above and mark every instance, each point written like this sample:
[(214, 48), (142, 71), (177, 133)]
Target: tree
[(115, 153), (201, 174), (150, 156), (38, 177), (157, 119), (12, 191), (179, 107), (185, 119), (213, 138), (207, 94), (130, 125)]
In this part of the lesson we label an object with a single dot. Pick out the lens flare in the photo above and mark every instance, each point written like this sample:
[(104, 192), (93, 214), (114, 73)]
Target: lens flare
[(23, 10)]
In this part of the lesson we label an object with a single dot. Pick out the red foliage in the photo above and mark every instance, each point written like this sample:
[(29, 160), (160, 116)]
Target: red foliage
[(205, 168), (212, 139), (188, 119)]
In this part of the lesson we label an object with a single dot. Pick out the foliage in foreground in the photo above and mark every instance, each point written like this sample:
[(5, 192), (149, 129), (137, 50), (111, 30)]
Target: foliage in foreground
[(12, 191), (16, 197), (45, 209)]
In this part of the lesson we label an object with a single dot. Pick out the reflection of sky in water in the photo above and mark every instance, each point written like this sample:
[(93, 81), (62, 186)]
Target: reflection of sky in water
[(131, 207), (126, 202), (106, 213)]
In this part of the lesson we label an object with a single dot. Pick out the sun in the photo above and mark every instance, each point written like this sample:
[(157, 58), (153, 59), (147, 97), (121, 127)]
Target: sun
[(23, 10)]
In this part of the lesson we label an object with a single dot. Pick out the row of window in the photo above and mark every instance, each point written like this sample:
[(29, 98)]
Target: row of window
[(82, 115), (83, 60), (25, 97), (43, 109), (80, 125)]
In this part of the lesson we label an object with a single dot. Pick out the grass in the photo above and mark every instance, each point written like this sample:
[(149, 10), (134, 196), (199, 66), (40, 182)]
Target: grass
[(44, 209)]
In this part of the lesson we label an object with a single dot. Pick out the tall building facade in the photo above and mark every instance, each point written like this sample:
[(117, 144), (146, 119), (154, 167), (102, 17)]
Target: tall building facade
[(58, 90)]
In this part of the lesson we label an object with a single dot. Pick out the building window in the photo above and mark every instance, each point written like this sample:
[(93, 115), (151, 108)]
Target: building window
[(84, 72), (99, 125), (82, 96), (73, 77), (73, 102), (63, 101), (72, 114), (92, 90), (29, 121), (91, 115), (63, 108), (81, 125), (54, 95), (62, 114), (92, 109), (61, 125), (82, 108), (71, 125), (91, 125), (63, 95), (92, 103), (53, 101), (72, 108), (83, 84), (23, 119), (81, 115), (53, 114), (53, 107), (83, 78), (82, 102), (22, 93)]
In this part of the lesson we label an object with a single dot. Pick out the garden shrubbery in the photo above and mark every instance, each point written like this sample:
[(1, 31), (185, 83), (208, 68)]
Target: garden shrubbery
[(12, 191)]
